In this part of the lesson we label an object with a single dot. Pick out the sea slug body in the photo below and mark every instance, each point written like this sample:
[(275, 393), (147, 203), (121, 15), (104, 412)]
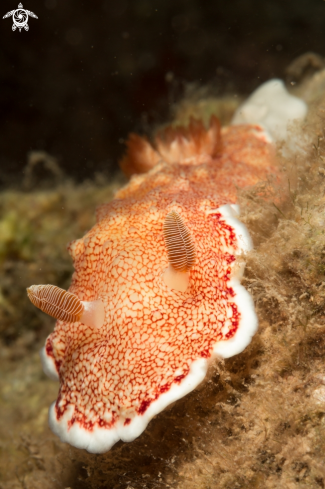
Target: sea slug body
[(156, 338)]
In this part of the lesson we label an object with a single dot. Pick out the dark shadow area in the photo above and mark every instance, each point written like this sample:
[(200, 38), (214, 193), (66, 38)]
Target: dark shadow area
[(88, 73)]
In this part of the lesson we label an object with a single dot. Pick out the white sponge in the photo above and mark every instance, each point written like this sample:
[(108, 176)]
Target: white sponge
[(272, 107)]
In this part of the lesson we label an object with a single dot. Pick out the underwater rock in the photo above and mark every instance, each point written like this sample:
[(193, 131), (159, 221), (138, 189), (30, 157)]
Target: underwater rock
[(258, 421)]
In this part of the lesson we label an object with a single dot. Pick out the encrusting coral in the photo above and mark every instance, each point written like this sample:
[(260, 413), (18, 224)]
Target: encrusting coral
[(258, 422)]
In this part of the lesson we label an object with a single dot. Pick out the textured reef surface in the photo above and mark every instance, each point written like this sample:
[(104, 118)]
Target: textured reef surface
[(259, 420)]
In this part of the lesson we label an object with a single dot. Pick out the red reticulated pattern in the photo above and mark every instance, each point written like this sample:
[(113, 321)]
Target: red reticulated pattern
[(153, 334)]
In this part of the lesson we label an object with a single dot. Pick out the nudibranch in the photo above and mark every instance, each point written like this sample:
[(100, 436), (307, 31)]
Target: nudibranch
[(156, 291)]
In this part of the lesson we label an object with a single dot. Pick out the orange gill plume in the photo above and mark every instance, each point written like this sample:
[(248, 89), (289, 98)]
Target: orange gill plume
[(172, 145), (140, 156), (181, 252), (176, 144), (56, 302)]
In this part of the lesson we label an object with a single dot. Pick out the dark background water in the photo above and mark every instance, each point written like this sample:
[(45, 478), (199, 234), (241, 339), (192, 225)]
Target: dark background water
[(87, 73)]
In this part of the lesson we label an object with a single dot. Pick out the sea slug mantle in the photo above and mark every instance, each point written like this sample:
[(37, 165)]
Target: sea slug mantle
[(155, 342)]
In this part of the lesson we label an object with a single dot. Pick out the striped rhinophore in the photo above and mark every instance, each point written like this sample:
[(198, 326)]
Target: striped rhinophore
[(56, 302), (179, 243)]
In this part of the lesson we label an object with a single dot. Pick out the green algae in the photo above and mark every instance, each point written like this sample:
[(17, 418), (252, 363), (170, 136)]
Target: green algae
[(35, 228)]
